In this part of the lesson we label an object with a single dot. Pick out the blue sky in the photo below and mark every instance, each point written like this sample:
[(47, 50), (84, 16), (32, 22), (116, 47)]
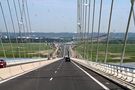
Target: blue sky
[(61, 15)]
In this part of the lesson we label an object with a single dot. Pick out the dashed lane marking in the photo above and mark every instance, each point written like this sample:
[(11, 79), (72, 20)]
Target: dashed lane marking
[(55, 71), (51, 79)]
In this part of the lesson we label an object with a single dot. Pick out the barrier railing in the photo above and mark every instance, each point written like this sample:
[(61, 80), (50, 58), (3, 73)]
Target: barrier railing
[(123, 73)]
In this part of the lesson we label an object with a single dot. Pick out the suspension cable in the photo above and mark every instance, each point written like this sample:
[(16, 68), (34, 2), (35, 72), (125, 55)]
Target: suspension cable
[(7, 31), (80, 23), (99, 24), (27, 29), (88, 30), (29, 22), (3, 48), (108, 33), (23, 27), (134, 17), (79, 20), (85, 25), (19, 28), (82, 19), (13, 26), (93, 19), (126, 33)]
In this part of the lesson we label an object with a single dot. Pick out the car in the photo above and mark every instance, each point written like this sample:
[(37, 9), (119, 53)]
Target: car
[(3, 63), (67, 59)]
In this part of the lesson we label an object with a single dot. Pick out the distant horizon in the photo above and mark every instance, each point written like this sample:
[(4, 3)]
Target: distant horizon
[(64, 32)]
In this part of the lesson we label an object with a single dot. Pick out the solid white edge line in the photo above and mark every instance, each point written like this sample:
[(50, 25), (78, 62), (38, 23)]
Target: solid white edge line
[(102, 85)]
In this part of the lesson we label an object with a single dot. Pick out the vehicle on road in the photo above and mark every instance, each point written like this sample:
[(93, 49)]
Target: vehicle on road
[(67, 59), (3, 63)]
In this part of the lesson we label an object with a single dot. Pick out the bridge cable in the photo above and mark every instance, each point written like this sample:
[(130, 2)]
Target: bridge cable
[(108, 33), (126, 33), (99, 25), (134, 17), (22, 27), (80, 20), (7, 31), (85, 25), (83, 2), (13, 25), (93, 19), (88, 29), (27, 29), (29, 21), (3, 48), (19, 28)]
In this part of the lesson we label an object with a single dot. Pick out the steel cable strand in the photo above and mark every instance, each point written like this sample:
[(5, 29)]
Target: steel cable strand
[(85, 25), (27, 30), (13, 25), (99, 25), (126, 33), (108, 33), (93, 21), (88, 30), (7, 31), (29, 21), (22, 27), (16, 15)]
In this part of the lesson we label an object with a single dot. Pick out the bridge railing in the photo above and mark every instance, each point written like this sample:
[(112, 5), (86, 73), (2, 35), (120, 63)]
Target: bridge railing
[(118, 73), (95, 44), (122, 72)]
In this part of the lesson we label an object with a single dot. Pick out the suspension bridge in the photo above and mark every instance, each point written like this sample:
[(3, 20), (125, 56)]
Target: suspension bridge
[(97, 59)]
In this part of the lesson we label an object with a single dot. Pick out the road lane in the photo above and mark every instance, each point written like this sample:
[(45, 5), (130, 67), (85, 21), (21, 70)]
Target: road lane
[(60, 75)]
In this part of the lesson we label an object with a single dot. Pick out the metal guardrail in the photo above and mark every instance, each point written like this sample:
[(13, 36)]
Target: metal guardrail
[(122, 75), (121, 72)]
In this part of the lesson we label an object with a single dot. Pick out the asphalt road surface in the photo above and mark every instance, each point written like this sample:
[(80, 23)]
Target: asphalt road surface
[(60, 75)]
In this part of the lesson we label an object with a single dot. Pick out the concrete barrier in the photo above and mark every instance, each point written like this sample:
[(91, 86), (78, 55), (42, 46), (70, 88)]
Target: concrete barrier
[(25, 61), (8, 72)]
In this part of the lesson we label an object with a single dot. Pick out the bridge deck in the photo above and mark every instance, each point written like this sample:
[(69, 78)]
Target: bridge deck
[(58, 76)]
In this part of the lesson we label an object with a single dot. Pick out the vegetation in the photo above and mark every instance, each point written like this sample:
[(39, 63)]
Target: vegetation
[(24, 50), (114, 52)]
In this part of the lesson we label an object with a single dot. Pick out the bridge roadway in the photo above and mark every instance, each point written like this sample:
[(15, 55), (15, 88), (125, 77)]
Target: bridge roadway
[(60, 75)]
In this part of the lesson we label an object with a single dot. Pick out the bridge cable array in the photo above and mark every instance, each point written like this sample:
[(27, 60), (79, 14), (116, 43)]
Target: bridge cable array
[(23, 26), (86, 22)]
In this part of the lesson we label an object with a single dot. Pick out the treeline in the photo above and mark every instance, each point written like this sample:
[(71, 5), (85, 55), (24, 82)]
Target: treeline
[(120, 42), (111, 42), (24, 40)]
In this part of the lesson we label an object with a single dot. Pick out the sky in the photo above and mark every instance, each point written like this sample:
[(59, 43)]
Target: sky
[(61, 15)]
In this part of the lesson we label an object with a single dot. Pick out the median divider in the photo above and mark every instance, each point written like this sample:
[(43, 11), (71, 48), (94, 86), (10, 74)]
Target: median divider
[(18, 70)]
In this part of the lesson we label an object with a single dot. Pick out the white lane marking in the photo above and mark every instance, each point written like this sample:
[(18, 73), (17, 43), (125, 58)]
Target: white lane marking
[(51, 79), (60, 65), (102, 85), (55, 71), (107, 83)]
